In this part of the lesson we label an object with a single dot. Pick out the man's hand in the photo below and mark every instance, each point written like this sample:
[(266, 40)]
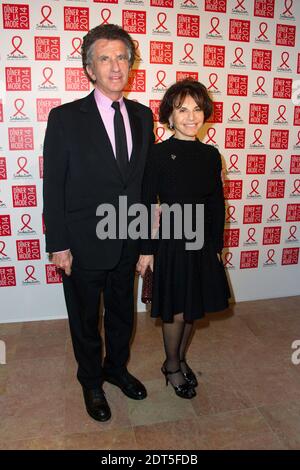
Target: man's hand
[(143, 263), (63, 260)]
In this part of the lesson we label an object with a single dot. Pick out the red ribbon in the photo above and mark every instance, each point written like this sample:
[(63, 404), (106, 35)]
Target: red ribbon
[(107, 13), (233, 162), (159, 132), (238, 57), (30, 274), (230, 211), (22, 167), (214, 22), (261, 84), (16, 47), (76, 49), (263, 31), (288, 7), (284, 60), (212, 83), (280, 112), (2, 248), (240, 4), (160, 81), (296, 187), (26, 223), (211, 132), (47, 79), (161, 23), (19, 108), (292, 231), (251, 233), (235, 108), (274, 210), (278, 160), (254, 186), (270, 255), (188, 53), (227, 259), (259, 133), (49, 9)]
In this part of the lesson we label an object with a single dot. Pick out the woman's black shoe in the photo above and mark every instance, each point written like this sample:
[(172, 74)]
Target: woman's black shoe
[(183, 390), (189, 375)]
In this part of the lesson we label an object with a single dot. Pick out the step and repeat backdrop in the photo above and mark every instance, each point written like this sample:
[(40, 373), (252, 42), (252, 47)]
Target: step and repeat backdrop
[(247, 53)]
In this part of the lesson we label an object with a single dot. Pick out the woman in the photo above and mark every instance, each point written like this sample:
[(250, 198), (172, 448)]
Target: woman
[(186, 283)]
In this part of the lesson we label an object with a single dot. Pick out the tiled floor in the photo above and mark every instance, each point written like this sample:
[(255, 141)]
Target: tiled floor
[(248, 395)]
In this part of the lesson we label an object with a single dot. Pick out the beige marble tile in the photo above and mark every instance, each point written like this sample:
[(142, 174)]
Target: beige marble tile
[(284, 419), (117, 439)]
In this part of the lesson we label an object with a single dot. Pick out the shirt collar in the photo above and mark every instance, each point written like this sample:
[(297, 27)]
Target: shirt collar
[(103, 101)]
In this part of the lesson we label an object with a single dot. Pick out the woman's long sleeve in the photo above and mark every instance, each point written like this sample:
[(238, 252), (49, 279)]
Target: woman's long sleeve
[(216, 207), (149, 199)]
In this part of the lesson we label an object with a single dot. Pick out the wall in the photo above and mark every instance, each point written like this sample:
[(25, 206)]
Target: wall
[(246, 52)]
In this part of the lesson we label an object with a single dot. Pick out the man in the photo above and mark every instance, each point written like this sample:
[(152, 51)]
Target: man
[(95, 151)]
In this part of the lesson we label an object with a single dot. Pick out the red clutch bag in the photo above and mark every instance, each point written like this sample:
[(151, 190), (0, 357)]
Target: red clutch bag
[(147, 286)]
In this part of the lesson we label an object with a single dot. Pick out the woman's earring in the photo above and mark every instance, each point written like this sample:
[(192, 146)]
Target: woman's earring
[(171, 126)]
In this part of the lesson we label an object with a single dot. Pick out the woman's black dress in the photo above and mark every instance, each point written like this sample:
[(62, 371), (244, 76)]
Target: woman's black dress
[(188, 281)]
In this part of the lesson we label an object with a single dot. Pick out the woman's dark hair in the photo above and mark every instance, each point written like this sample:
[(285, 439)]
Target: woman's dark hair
[(176, 94), (111, 32)]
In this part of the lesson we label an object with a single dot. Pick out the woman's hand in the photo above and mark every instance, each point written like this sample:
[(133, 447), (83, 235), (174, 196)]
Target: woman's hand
[(143, 263)]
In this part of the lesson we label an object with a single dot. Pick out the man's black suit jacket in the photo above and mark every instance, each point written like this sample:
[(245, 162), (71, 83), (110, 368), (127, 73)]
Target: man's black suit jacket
[(81, 172)]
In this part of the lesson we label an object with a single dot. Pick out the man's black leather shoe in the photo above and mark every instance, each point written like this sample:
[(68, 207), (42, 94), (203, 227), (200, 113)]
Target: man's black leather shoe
[(129, 385), (96, 404)]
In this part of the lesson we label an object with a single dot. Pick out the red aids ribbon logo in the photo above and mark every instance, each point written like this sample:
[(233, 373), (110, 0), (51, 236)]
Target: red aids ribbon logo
[(22, 166), (227, 259), (161, 19), (238, 52), (188, 49), (2, 247), (278, 160), (281, 111), (240, 4), (47, 74), (263, 28), (235, 108), (254, 186), (159, 132), (296, 187), (230, 211), (189, 1), (214, 22), (288, 5), (78, 47), (285, 57), (257, 136), (292, 230), (251, 233), (105, 15), (270, 255), (19, 105), (30, 271), (298, 137), (160, 75), (260, 81), (211, 132), (16, 46), (213, 78), (274, 210), (233, 160), (46, 15), (26, 222)]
